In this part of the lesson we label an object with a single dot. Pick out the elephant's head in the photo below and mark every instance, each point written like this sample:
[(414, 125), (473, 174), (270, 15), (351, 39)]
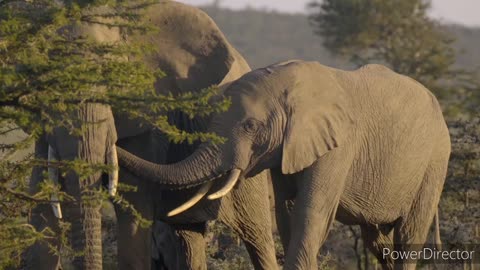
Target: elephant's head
[(287, 116)]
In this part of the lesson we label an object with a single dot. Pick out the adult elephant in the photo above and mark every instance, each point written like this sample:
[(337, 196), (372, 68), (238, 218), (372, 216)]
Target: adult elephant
[(369, 147), (194, 53)]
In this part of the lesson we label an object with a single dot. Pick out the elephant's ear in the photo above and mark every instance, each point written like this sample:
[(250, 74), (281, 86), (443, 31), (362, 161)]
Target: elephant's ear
[(190, 49), (318, 114)]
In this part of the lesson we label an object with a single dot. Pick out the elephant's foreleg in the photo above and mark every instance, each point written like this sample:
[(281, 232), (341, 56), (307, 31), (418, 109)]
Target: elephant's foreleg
[(134, 243), (250, 217), (191, 255), (319, 190), (284, 193), (310, 226), (262, 256), (165, 246)]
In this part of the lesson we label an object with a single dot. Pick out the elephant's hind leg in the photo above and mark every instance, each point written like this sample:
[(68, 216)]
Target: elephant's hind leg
[(411, 231), (377, 240)]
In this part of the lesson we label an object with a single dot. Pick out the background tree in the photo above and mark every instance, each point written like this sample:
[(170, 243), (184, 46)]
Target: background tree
[(45, 75), (401, 35)]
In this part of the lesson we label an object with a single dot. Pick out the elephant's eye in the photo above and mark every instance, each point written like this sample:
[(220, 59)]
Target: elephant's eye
[(251, 125)]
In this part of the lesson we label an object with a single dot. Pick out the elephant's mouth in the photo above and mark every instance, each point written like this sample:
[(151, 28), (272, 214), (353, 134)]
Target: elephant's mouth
[(233, 177)]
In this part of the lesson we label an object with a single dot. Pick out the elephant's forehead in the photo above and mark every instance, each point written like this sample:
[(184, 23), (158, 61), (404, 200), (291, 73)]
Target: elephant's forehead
[(257, 100), (255, 106)]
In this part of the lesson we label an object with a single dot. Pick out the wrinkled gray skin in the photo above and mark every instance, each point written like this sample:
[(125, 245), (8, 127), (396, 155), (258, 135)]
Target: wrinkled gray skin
[(368, 147), (194, 53)]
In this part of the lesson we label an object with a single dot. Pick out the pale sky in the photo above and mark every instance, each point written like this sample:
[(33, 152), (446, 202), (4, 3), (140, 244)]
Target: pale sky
[(465, 12)]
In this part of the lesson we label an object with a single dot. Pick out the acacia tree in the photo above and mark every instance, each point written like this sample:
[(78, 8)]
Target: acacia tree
[(45, 75), (399, 34)]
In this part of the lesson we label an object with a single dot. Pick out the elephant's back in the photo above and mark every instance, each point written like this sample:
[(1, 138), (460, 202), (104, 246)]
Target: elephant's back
[(399, 130), (396, 109), (378, 92)]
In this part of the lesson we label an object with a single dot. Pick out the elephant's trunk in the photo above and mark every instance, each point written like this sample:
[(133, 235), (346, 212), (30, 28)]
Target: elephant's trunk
[(93, 237), (86, 229), (94, 147), (202, 166)]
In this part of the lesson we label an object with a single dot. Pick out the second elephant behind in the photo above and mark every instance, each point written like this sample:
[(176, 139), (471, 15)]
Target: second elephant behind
[(195, 54)]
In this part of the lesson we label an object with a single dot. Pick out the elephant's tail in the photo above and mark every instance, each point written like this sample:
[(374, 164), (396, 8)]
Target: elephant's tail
[(438, 241)]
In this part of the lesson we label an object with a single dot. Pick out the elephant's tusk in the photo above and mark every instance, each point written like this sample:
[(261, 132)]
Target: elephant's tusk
[(112, 159), (197, 197), (57, 210), (232, 180), (53, 174)]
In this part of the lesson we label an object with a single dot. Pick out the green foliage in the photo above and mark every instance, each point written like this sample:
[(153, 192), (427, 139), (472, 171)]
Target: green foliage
[(47, 71), (11, 242), (398, 33)]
